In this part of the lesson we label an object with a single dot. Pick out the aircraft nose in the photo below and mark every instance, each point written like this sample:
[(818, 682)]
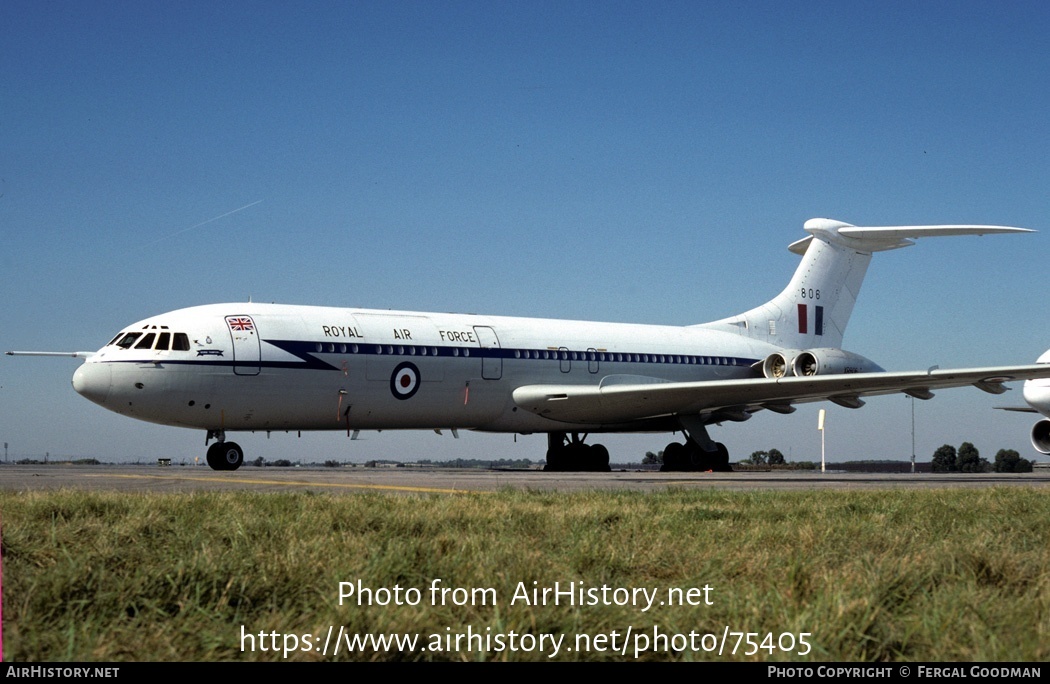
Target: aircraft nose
[(93, 381)]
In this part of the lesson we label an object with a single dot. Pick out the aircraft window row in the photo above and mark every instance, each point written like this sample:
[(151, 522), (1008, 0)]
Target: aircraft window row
[(565, 355), (333, 348), (549, 354), (158, 341)]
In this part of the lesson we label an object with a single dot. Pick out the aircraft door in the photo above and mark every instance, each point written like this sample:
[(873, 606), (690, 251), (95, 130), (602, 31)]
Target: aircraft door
[(246, 345), (491, 353), (566, 362)]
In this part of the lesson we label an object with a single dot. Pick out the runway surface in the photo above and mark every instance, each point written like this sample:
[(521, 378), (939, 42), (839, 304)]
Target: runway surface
[(413, 480)]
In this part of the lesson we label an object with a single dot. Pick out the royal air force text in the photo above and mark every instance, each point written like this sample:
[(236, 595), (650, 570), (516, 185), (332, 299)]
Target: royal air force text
[(351, 332)]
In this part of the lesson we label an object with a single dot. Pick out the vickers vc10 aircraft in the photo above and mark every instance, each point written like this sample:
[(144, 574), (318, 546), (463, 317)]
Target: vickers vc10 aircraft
[(266, 367)]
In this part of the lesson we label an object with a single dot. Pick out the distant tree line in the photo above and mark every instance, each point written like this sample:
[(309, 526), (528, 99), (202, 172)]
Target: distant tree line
[(968, 460), (772, 457), (653, 458), (506, 463), (261, 463), (947, 459)]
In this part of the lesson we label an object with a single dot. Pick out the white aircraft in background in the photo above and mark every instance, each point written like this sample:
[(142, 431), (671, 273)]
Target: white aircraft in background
[(1037, 395), (251, 367)]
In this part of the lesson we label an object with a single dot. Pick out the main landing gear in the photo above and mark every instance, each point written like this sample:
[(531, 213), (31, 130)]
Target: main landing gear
[(568, 453), (690, 456), (224, 455), (700, 453)]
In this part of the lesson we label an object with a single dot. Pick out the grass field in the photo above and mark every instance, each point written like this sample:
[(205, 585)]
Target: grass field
[(870, 576)]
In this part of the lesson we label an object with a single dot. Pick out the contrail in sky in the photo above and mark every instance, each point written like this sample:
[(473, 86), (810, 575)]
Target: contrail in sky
[(202, 223)]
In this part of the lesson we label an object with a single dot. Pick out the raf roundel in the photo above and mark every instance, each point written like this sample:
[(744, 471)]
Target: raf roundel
[(405, 380)]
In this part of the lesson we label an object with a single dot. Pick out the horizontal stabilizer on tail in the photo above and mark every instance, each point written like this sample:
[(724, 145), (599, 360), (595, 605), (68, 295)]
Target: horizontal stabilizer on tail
[(881, 238), (815, 307)]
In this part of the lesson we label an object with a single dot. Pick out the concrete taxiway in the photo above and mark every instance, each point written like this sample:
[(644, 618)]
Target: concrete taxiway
[(415, 480)]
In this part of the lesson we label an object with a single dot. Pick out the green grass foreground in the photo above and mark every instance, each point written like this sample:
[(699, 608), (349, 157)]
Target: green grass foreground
[(890, 575)]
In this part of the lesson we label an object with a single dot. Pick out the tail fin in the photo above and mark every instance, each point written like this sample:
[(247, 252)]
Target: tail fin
[(815, 307)]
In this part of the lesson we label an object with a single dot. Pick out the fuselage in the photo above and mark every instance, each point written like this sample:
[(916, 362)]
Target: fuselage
[(282, 367), (1037, 392)]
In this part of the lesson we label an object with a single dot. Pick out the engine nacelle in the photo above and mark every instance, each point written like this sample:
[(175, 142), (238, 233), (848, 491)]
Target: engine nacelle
[(778, 364), (824, 361), (1041, 436), (831, 361)]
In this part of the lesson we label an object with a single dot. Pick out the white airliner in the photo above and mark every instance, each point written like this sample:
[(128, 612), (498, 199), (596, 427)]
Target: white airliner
[(1037, 395), (251, 367)]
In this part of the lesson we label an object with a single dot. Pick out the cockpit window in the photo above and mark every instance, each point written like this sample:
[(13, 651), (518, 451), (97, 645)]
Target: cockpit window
[(128, 340), (164, 341)]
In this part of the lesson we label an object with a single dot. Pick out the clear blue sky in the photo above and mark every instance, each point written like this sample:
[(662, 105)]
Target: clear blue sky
[(625, 161)]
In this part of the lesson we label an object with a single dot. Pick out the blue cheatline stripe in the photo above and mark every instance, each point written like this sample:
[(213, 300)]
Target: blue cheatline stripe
[(310, 352)]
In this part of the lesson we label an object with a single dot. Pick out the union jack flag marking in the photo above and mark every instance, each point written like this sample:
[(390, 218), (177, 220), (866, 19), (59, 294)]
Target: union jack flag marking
[(240, 323)]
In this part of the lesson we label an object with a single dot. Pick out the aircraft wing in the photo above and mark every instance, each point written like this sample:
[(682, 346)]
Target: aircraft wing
[(75, 355), (623, 399)]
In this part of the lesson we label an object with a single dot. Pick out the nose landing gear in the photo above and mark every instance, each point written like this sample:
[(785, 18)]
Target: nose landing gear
[(224, 455)]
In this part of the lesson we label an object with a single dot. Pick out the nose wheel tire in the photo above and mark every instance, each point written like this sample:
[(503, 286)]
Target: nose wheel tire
[(225, 456)]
